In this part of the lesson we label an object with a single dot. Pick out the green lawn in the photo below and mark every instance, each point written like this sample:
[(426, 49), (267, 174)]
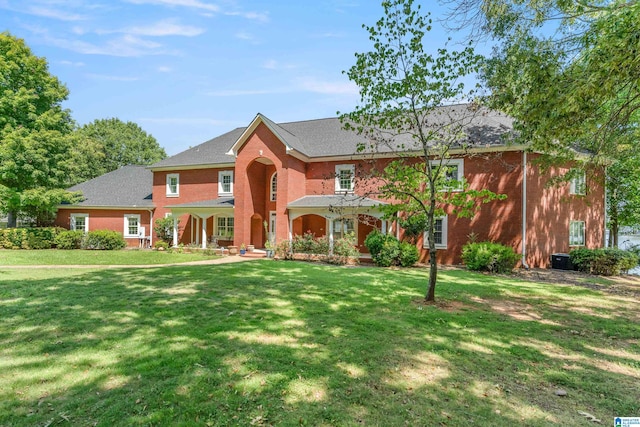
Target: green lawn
[(82, 257), (287, 343)]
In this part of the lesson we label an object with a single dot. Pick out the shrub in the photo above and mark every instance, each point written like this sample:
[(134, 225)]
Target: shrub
[(164, 228), (346, 246), (309, 244), (386, 250), (69, 239), (161, 244), (28, 238), (409, 254), (104, 240), (488, 256), (604, 262), (283, 250)]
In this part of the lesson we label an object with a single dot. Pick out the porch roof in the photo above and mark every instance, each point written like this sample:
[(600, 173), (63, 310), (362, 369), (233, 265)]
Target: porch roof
[(334, 205), (204, 208)]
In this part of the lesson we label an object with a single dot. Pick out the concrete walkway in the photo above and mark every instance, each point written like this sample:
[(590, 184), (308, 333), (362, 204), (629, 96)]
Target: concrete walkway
[(223, 260)]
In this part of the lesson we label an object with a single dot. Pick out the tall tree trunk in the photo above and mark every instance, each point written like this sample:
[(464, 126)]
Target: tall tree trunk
[(433, 274), (614, 227), (12, 218)]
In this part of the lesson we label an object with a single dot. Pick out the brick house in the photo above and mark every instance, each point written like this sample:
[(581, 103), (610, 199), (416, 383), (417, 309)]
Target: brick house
[(299, 177)]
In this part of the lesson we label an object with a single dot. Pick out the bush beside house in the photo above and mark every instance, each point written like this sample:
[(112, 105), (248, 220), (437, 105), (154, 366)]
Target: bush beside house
[(605, 262), (28, 238), (386, 250), (489, 256)]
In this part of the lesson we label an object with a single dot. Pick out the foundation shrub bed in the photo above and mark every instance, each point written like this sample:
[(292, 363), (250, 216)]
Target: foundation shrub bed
[(386, 250), (28, 238), (603, 262), (104, 240), (69, 239), (489, 256)]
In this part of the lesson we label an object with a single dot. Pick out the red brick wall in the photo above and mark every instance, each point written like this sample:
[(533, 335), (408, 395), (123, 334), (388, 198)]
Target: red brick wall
[(105, 219), (551, 208)]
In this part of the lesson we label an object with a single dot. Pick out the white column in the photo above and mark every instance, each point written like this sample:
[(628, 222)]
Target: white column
[(383, 226), (204, 233), (290, 232), (330, 236), (175, 230)]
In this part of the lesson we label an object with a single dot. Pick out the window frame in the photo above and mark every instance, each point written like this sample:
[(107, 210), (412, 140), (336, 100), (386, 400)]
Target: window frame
[(126, 233), (444, 230), (72, 221), (459, 163), (578, 184), (273, 187), (225, 226), (338, 178), (221, 175), (354, 222), (169, 191), (572, 234)]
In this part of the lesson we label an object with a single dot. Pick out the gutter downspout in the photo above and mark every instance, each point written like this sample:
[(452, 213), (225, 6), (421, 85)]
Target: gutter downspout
[(524, 210)]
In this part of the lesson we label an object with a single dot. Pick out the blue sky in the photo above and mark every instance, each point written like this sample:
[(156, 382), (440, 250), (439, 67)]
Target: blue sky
[(189, 70)]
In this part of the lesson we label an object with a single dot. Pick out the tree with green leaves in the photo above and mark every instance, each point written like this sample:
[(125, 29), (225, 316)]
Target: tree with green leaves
[(568, 73), (34, 128), (113, 143), (403, 89)]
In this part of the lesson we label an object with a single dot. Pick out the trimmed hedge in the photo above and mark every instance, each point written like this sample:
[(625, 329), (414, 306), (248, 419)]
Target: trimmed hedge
[(386, 250), (28, 238), (489, 256), (603, 262), (69, 239), (106, 240)]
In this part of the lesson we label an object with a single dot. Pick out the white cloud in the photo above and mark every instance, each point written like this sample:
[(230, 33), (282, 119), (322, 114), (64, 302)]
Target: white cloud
[(158, 29), (194, 4), (272, 64), (71, 63), (52, 13), (164, 69), (243, 35), (257, 16)]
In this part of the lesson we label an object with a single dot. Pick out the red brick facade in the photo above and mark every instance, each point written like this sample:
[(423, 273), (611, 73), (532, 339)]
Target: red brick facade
[(261, 153)]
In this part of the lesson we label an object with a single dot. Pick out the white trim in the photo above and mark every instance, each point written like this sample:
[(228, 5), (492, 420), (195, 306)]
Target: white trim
[(169, 191), (125, 231), (444, 231), (273, 194), (572, 236), (221, 176), (459, 163), (72, 221), (340, 168)]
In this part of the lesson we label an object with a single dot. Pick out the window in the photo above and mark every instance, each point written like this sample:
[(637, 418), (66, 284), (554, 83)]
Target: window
[(79, 222), (453, 170), (344, 178), (225, 183), (173, 185), (578, 184), (274, 187), (131, 225), (225, 228), (439, 233), (576, 233), (343, 226)]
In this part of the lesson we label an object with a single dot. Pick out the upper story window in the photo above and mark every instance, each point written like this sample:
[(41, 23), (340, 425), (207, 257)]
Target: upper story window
[(80, 222), (578, 183), (345, 175), (131, 225), (576, 233), (274, 187), (173, 185), (453, 170), (440, 232), (225, 183)]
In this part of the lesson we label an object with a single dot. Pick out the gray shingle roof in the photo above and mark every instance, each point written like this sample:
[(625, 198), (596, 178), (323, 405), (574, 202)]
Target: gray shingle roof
[(210, 152), (213, 203), (326, 137), (128, 186), (334, 200)]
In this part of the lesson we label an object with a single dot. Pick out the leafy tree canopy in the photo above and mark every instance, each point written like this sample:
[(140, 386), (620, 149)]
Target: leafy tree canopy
[(34, 148), (105, 145)]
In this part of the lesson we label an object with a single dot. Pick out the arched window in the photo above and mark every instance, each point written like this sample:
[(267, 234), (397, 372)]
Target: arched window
[(274, 186)]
